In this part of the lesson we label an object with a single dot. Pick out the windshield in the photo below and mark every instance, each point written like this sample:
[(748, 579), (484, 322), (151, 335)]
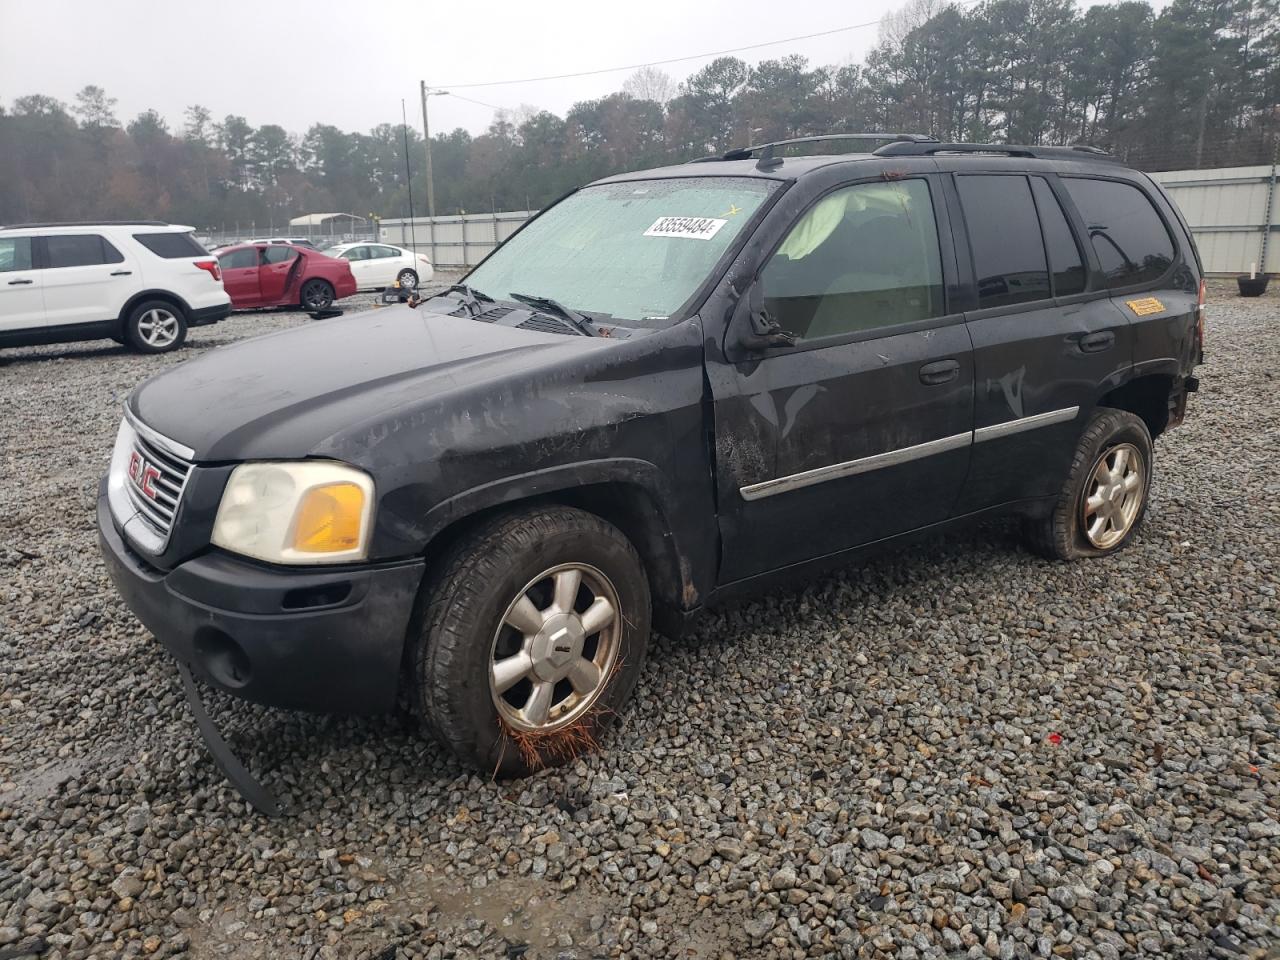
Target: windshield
[(635, 250)]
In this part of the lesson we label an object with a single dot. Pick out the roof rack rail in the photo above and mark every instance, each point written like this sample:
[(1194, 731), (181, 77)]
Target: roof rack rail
[(86, 223), (921, 149), (769, 156)]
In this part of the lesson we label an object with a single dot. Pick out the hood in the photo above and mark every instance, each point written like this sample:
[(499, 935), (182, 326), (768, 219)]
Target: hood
[(282, 395)]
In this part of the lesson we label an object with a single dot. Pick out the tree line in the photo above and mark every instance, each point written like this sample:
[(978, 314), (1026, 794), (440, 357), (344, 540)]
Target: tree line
[(1197, 84)]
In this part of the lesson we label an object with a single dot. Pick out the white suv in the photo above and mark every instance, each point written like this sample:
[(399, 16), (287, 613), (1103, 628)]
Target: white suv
[(140, 282)]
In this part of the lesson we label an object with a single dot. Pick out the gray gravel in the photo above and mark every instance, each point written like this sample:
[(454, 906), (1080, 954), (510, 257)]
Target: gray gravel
[(868, 766)]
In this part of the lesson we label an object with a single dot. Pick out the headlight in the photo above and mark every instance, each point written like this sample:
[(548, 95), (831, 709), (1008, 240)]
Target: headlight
[(310, 511)]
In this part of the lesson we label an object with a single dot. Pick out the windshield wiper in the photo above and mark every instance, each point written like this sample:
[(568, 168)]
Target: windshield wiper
[(473, 297), (579, 321)]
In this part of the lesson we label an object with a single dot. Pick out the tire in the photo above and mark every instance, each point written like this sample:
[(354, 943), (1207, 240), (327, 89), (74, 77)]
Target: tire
[(462, 627), (316, 295), (412, 280), (155, 326), (1071, 531)]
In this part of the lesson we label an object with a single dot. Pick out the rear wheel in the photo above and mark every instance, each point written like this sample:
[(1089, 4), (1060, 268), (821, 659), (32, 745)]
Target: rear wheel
[(1104, 498), (317, 295), (155, 326), (531, 639), (407, 278)]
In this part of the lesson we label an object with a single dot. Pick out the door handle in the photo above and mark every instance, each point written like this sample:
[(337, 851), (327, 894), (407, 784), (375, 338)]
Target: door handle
[(122, 273), (940, 371), (1096, 342), (18, 283)]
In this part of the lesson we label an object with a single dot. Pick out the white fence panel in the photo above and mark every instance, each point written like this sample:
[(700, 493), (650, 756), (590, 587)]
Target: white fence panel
[(1225, 210), (459, 241)]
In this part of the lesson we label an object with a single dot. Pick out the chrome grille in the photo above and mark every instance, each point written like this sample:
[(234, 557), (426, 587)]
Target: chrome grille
[(161, 472)]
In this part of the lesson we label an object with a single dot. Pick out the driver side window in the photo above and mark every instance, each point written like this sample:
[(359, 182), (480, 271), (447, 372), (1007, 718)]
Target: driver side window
[(863, 257)]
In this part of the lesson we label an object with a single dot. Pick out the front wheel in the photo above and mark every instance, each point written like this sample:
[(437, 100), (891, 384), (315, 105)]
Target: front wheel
[(1104, 498), (531, 639), (317, 295), (155, 326)]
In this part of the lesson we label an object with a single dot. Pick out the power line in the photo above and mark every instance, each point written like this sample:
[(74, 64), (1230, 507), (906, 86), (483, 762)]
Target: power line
[(661, 63), (481, 103)]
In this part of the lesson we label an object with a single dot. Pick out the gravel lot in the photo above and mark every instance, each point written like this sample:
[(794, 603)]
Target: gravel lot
[(956, 751)]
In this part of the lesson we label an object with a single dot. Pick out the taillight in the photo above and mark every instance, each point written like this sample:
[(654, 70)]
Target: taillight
[(210, 266), (1200, 320)]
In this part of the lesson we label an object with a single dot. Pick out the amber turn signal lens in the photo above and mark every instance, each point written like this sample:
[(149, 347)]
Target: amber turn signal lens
[(328, 519)]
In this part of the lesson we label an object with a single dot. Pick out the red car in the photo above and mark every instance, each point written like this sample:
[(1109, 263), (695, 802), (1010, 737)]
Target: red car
[(282, 275)]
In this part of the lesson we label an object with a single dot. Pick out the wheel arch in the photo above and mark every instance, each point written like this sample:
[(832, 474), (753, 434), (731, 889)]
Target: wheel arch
[(630, 494), (144, 295), (1145, 396)]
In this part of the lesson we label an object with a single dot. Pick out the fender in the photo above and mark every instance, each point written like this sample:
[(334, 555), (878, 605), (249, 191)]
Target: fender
[(523, 486)]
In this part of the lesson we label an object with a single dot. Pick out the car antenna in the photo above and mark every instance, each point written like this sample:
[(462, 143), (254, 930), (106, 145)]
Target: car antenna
[(408, 178)]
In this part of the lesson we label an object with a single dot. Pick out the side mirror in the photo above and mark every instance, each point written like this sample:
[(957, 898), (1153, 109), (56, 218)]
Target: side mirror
[(758, 330)]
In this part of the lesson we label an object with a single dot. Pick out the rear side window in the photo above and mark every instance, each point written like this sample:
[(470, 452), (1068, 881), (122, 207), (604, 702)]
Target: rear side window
[(1130, 239), (15, 254), (274, 254), (171, 246), (1004, 233), (1064, 256), (80, 250)]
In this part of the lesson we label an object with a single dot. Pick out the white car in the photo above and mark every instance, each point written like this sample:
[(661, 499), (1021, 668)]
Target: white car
[(138, 282), (378, 265)]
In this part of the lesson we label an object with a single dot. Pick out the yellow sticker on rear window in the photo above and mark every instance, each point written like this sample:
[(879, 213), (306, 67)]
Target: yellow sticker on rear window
[(1145, 306)]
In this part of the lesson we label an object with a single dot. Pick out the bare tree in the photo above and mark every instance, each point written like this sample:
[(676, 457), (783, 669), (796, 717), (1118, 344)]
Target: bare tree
[(650, 83)]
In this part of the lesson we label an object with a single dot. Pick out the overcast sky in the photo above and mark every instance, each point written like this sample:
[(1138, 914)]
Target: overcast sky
[(350, 63)]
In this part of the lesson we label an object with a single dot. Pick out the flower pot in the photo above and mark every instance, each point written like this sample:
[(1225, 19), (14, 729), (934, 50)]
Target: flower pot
[(1252, 286)]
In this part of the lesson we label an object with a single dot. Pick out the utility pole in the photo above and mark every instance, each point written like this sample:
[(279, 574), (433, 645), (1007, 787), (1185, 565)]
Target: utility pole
[(426, 136)]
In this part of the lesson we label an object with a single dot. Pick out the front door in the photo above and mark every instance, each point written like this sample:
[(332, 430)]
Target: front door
[(861, 430), (21, 286), (363, 268), (240, 277)]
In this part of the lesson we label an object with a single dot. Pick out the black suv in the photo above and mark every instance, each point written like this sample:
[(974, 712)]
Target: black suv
[(664, 391)]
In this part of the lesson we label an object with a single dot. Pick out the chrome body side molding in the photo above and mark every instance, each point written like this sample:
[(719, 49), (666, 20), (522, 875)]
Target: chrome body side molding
[(892, 458)]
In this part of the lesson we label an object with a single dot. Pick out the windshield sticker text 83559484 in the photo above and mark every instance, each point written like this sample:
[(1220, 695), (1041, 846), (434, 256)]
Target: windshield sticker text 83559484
[(692, 228)]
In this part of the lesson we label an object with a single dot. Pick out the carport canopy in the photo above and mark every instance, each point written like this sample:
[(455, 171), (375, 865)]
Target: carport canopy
[(324, 219)]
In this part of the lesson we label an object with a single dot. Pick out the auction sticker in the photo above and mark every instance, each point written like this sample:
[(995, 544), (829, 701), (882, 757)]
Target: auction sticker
[(1145, 306), (692, 228)]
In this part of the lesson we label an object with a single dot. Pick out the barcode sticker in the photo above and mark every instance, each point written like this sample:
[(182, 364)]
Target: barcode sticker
[(691, 228)]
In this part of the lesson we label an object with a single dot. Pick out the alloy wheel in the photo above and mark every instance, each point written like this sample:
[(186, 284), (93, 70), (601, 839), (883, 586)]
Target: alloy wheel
[(316, 295), (158, 327), (1113, 496), (555, 648)]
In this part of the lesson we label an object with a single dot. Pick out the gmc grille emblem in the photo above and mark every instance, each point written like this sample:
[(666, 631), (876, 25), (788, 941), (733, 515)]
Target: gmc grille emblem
[(143, 474)]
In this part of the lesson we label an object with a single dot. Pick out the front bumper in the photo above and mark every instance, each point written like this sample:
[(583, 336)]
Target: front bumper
[(328, 640), (202, 315)]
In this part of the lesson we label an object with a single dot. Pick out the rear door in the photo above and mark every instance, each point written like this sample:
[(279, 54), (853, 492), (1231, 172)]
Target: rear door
[(1046, 342), (861, 430), (21, 285), (240, 276), (276, 268), (86, 278), (1150, 283)]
